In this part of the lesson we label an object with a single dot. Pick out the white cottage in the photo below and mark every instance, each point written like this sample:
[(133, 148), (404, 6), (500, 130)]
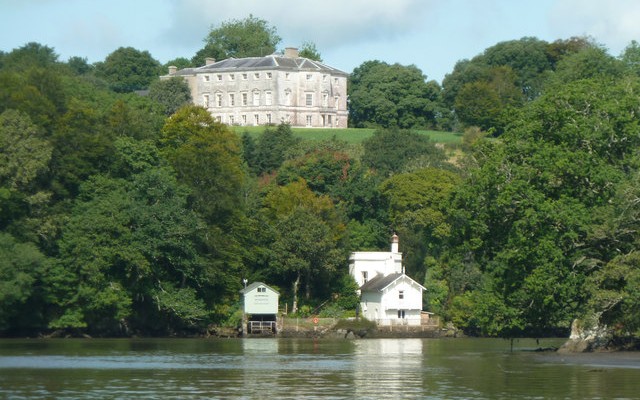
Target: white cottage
[(387, 295), (260, 304)]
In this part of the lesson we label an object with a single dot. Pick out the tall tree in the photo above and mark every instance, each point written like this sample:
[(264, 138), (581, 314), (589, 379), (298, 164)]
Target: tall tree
[(249, 37), (383, 95), (128, 69), (171, 94)]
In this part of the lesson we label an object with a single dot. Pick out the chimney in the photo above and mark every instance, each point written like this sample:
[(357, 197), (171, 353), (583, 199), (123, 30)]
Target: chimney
[(172, 69), (291, 52), (394, 243), (209, 61)]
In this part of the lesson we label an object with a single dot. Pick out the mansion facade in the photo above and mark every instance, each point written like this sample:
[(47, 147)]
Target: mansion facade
[(272, 89)]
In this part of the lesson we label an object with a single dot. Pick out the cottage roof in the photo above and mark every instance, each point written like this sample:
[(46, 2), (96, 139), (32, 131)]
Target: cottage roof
[(272, 62), (379, 282), (255, 285)]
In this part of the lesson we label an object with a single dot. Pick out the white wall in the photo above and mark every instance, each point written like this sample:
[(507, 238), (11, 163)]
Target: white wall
[(375, 263), (261, 302)]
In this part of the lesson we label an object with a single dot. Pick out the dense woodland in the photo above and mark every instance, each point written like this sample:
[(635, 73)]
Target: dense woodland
[(123, 213)]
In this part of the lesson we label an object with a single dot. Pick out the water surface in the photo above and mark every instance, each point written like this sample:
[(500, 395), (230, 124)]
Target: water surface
[(310, 369)]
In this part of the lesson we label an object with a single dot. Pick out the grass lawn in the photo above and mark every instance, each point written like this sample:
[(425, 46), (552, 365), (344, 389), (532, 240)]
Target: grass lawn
[(350, 135)]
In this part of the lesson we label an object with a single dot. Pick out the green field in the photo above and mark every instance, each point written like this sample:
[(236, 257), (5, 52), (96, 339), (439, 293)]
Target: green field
[(350, 135)]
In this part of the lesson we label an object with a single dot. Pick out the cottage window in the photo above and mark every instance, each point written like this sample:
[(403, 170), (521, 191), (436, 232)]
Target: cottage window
[(262, 290), (401, 314), (365, 276), (400, 294)]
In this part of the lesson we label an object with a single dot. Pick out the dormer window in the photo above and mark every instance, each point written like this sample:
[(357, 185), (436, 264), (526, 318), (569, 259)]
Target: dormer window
[(262, 289)]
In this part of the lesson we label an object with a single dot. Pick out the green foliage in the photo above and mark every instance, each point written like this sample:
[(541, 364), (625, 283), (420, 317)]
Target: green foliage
[(172, 94), (249, 37), (21, 269), (309, 50), (127, 69), (389, 150), (383, 95), (271, 149)]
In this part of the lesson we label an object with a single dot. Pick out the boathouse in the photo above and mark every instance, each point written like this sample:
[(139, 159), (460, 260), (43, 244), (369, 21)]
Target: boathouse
[(260, 304)]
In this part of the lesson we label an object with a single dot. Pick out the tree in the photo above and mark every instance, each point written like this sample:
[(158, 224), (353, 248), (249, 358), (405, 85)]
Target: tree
[(130, 258), (249, 37), (383, 95), (309, 50), (171, 94), (271, 149), (389, 151), (206, 156), (307, 231), (127, 69), (21, 269)]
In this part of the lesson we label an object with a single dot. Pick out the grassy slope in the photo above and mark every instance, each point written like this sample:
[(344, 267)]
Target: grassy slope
[(350, 135)]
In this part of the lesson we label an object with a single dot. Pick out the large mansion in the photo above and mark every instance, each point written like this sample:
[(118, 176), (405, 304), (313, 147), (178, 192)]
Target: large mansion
[(269, 90)]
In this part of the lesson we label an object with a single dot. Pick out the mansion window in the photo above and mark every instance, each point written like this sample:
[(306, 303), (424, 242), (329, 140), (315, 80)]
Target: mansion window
[(325, 99), (268, 118), (232, 99), (287, 97), (269, 75), (232, 77), (336, 102), (267, 98), (218, 99), (256, 75), (219, 77), (256, 117), (244, 77), (205, 101), (232, 120), (309, 99), (256, 98), (309, 120), (206, 78), (245, 100), (309, 76), (244, 119)]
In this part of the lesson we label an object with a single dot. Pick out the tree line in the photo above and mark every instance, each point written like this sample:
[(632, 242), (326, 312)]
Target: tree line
[(125, 214)]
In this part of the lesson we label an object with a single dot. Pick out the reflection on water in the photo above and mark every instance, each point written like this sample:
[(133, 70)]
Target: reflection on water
[(309, 369)]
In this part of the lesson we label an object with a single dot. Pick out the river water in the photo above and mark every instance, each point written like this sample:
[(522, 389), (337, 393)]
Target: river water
[(269, 368)]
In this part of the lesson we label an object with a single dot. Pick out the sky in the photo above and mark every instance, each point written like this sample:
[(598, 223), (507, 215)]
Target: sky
[(430, 34)]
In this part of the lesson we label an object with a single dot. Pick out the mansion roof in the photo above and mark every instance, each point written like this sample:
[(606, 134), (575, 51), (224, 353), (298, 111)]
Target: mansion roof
[(271, 62)]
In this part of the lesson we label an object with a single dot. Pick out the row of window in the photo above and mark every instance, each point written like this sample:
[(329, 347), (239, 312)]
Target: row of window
[(326, 120), (257, 75), (268, 99)]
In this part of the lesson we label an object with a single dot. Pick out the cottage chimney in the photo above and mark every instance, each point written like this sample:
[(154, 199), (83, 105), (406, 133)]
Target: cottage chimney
[(209, 60), (395, 241), (172, 69), (291, 52)]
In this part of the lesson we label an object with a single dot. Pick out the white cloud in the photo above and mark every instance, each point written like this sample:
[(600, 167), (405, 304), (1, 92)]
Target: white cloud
[(328, 23), (613, 23)]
